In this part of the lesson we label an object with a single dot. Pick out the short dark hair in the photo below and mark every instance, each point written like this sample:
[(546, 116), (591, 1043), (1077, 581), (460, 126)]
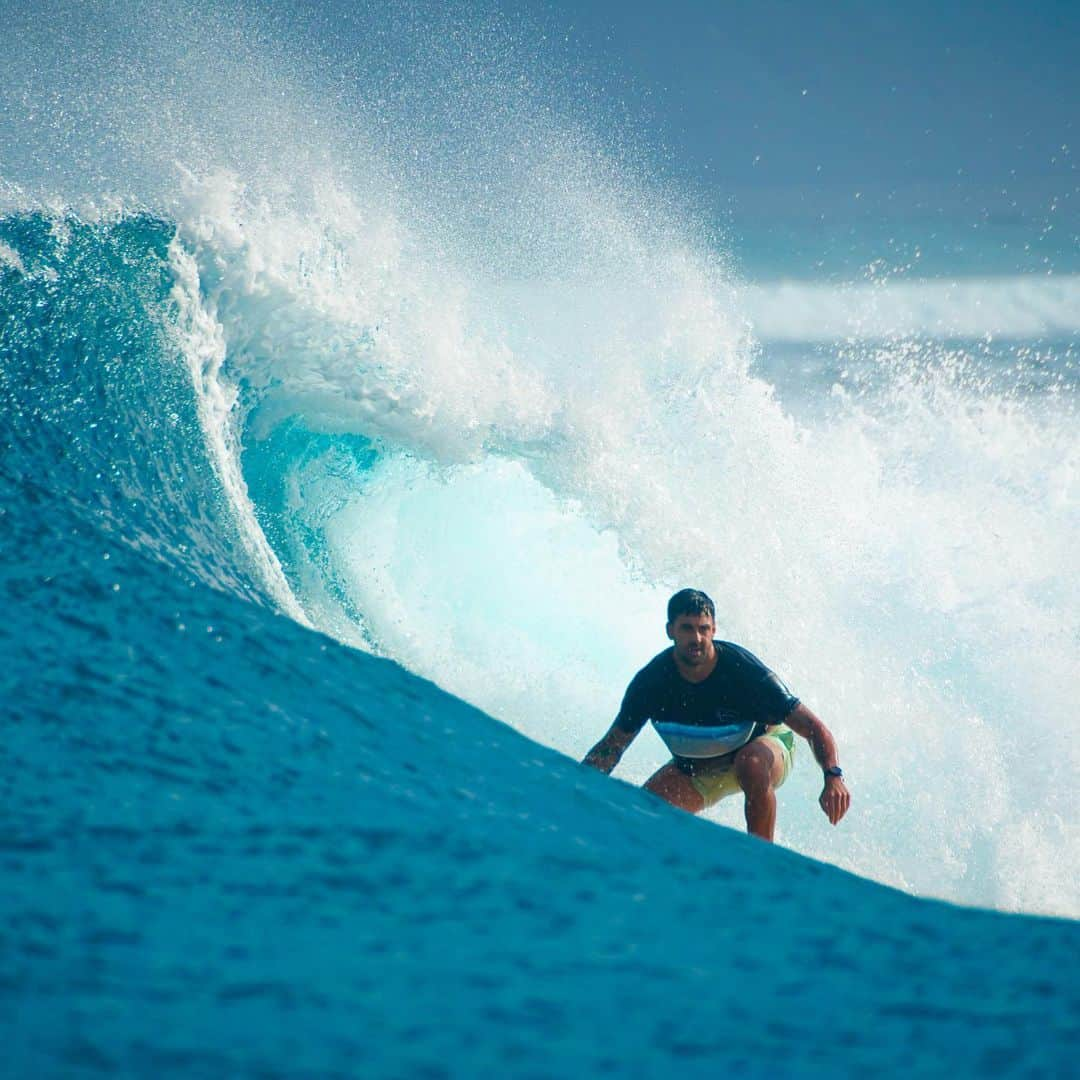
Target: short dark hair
[(690, 602)]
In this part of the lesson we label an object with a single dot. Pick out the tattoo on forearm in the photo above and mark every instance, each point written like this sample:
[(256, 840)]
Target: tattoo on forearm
[(602, 756)]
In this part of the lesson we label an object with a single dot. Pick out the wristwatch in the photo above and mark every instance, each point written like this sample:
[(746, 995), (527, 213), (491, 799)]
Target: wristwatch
[(834, 771)]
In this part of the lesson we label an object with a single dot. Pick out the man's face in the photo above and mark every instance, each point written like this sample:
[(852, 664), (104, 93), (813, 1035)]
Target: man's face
[(693, 637)]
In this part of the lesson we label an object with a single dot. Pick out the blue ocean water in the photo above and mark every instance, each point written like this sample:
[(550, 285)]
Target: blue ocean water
[(337, 510)]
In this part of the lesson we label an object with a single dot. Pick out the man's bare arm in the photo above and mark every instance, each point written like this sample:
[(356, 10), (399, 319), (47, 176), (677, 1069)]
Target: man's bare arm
[(606, 753), (835, 798), (803, 722)]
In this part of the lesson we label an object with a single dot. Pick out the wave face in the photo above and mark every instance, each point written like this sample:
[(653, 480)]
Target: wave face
[(237, 847), (480, 401), (452, 385), (405, 483)]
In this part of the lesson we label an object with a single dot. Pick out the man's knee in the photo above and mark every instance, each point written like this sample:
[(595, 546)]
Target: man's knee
[(674, 787), (754, 768)]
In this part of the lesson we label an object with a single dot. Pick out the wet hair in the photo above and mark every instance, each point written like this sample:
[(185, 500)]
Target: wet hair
[(690, 602)]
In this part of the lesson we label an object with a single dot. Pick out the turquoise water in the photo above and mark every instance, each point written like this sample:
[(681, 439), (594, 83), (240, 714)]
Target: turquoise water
[(339, 508)]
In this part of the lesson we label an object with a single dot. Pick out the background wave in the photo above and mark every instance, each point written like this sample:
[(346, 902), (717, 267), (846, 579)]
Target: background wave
[(1021, 308)]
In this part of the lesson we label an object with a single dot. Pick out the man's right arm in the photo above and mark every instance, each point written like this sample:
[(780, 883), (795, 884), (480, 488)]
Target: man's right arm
[(606, 753)]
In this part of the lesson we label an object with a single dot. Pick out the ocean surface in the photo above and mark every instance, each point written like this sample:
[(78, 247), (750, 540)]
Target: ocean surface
[(356, 421)]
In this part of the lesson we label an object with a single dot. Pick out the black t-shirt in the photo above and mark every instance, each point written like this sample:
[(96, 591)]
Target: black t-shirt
[(740, 690)]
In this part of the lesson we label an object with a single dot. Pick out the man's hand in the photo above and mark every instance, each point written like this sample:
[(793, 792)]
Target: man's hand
[(835, 799)]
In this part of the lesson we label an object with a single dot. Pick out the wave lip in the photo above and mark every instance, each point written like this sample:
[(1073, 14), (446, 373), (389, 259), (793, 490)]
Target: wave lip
[(1019, 307)]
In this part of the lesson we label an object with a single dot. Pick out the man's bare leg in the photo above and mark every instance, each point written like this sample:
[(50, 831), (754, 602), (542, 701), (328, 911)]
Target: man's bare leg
[(675, 787), (759, 768)]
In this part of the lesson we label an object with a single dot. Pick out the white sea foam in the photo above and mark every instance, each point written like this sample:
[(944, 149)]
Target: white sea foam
[(556, 457), (1024, 307), (201, 341), (10, 257)]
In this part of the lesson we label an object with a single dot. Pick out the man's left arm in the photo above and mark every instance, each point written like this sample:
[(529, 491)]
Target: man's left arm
[(836, 798)]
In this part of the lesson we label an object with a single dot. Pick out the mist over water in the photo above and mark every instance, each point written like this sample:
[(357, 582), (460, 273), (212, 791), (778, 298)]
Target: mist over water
[(481, 393)]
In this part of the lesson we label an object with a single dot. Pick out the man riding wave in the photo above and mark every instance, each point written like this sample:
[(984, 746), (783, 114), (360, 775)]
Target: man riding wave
[(728, 721)]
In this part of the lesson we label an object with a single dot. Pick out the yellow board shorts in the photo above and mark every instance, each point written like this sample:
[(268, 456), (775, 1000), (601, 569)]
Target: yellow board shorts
[(715, 778)]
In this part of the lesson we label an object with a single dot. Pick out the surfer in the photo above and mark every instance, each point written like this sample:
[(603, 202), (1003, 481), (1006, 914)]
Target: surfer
[(728, 721)]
